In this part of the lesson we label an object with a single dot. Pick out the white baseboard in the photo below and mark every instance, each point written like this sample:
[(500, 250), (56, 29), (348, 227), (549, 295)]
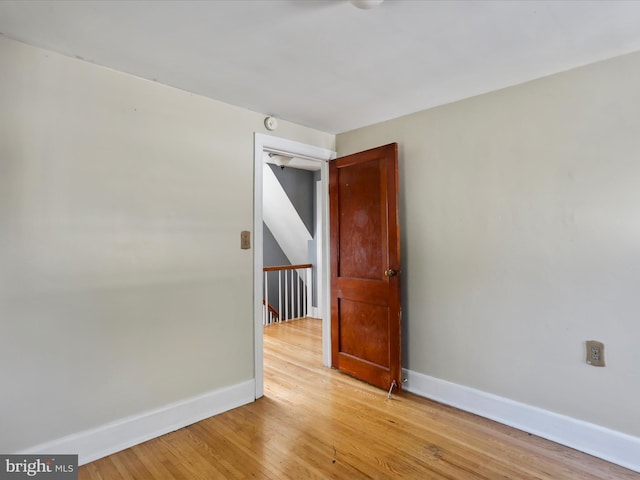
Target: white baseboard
[(610, 445), (99, 442)]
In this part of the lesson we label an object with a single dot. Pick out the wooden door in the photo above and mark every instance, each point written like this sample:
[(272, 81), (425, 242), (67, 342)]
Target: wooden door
[(365, 263)]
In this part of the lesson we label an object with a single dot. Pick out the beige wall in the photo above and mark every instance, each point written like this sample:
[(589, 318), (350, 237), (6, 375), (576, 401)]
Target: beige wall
[(122, 282), (521, 238)]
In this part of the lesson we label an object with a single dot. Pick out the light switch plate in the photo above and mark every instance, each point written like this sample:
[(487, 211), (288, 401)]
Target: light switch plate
[(245, 240)]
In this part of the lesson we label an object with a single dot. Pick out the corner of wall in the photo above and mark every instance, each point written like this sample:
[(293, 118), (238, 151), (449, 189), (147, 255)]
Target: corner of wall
[(609, 445), (113, 437)]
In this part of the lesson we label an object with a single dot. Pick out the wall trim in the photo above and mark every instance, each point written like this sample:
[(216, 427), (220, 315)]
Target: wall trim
[(113, 437), (610, 445)]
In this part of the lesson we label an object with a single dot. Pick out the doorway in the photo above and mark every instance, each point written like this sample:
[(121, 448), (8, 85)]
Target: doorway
[(270, 144)]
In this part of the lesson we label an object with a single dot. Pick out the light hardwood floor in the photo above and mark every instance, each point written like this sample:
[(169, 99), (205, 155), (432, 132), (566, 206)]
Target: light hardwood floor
[(315, 423)]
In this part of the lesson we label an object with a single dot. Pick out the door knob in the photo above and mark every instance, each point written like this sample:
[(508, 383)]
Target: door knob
[(390, 273)]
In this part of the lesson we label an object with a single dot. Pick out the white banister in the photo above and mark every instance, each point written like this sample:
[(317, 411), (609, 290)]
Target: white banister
[(280, 302), (293, 298), (286, 295)]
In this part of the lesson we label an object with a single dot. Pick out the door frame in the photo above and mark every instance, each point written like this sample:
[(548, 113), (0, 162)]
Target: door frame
[(268, 143)]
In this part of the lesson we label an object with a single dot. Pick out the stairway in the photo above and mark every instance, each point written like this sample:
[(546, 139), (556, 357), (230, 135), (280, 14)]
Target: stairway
[(283, 220)]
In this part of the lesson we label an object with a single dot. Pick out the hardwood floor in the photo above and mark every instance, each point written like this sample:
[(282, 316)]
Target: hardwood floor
[(315, 423)]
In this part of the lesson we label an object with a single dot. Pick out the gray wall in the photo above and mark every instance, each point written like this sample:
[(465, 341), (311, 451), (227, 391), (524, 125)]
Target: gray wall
[(520, 214), (299, 185), (272, 254), (123, 287)]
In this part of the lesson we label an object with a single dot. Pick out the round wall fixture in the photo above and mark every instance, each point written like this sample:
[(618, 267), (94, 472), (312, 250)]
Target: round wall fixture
[(270, 123)]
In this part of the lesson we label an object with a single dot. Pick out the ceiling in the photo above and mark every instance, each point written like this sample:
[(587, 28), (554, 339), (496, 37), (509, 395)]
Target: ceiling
[(324, 63)]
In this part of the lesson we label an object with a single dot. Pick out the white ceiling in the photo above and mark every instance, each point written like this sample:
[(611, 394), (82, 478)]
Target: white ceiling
[(324, 63)]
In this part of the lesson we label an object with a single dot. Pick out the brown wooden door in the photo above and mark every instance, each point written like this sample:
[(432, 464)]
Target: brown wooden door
[(365, 263)]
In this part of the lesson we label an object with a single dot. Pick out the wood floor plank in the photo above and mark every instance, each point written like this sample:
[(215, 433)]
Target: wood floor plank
[(316, 423)]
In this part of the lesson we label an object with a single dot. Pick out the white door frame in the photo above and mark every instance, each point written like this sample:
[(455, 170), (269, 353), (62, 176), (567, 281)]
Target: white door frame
[(283, 146)]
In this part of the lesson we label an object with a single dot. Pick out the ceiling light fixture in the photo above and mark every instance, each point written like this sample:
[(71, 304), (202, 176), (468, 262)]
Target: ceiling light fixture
[(280, 160), (366, 4)]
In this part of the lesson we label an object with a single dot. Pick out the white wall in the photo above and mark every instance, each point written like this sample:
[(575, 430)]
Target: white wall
[(122, 283), (520, 216)]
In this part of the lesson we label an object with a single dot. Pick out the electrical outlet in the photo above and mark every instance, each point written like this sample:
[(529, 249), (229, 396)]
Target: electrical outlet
[(595, 353)]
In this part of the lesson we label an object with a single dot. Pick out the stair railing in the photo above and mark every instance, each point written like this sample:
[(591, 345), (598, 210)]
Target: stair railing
[(293, 298)]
